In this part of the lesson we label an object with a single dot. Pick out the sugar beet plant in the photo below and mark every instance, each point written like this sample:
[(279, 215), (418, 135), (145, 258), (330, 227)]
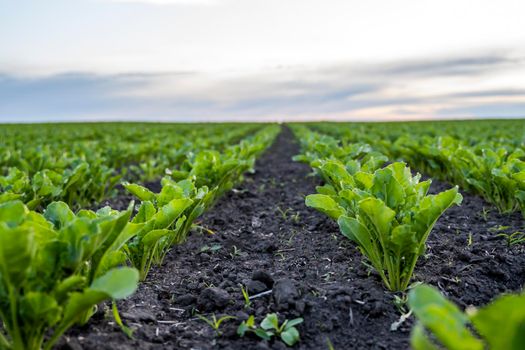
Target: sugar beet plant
[(388, 214), (55, 268), (164, 219), (386, 211)]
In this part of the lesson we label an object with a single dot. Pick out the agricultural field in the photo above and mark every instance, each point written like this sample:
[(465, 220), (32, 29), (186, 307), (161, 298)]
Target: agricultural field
[(263, 236)]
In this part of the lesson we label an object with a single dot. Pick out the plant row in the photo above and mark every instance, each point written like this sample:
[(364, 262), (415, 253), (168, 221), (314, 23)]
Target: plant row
[(386, 210), (387, 213), (57, 266), (486, 158), (82, 164)]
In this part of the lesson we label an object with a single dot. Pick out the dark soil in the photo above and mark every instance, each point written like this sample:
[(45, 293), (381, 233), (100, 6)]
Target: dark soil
[(268, 240)]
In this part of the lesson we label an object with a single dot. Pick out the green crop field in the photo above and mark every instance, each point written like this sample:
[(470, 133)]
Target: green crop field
[(259, 236)]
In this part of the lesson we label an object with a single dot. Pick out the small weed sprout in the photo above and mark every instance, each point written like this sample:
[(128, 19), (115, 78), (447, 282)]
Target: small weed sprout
[(215, 322), (484, 214), (246, 296), (296, 217), (284, 213), (236, 252), (400, 303), (513, 238)]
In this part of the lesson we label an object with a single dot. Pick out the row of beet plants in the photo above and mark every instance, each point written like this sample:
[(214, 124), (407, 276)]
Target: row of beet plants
[(387, 212), (478, 158), (82, 166), (57, 266)]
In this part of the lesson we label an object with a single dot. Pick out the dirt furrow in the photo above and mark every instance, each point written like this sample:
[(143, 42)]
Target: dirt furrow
[(296, 259)]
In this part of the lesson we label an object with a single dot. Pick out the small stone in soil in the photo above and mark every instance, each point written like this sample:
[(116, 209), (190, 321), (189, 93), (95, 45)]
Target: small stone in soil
[(256, 222), (263, 277), (213, 299), (185, 300), (139, 315), (255, 287), (284, 293)]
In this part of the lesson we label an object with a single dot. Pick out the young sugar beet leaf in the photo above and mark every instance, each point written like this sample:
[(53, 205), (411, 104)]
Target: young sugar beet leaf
[(214, 322), (499, 325), (286, 331), (270, 327), (45, 286), (388, 214)]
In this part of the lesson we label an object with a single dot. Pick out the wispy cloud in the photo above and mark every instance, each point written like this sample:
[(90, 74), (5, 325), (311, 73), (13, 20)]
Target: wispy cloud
[(469, 65), (455, 87)]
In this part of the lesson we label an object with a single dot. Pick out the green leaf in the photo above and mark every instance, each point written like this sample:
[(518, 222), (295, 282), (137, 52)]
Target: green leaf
[(59, 214), (242, 329), (17, 249), (37, 309), (387, 188), (140, 192), (152, 237), (442, 318), (290, 336), (379, 215), (261, 333), (325, 204), (77, 306), (169, 213), (13, 213), (502, 323), (270, 322), (419, 340), (294, 322), (117, 283), (168, 193), (357, 232), (68, 285)]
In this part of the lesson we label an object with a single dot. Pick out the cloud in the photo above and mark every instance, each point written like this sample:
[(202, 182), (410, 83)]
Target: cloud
[(460, 87), (469, 65)]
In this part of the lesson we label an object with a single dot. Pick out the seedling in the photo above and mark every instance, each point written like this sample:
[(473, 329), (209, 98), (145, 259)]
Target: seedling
[(470, 240), (292, 236), (513, 238), (215, 323), (498, 228), (400, 303), (284, 213), (236, 252), (296, 217), (270, 327), (246, 296), (212, 249), (484, 214)]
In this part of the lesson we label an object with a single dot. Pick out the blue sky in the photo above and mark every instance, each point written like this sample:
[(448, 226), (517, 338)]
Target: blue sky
[(200, 60)]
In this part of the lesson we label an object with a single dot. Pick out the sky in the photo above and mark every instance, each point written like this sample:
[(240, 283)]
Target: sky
[(260, 60)]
